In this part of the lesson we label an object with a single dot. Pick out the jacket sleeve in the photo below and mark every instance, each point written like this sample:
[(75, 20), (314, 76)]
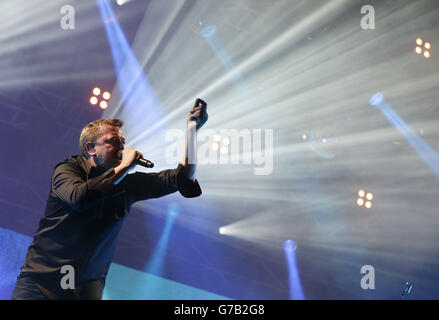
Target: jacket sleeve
[(145, 186), (69, 184)]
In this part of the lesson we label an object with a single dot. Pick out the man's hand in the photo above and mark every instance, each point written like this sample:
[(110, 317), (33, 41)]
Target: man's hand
[(129, 158), (198, 114), (128, 162)]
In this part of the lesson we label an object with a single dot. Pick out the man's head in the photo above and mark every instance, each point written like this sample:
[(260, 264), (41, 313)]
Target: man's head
[(100, 141)]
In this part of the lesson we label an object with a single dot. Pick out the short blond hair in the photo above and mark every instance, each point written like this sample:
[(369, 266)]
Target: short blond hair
[(92, 131)]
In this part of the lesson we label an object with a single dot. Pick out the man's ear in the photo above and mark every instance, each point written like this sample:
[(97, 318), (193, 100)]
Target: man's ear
[(90, 147)]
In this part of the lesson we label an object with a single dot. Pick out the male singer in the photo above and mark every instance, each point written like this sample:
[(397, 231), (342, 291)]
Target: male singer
[(89, 198)]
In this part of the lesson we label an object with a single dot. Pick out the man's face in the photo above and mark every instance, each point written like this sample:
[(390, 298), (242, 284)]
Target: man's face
[(107, 145)]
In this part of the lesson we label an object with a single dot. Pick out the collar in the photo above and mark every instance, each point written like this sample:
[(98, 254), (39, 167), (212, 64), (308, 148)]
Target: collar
[(90, 170)]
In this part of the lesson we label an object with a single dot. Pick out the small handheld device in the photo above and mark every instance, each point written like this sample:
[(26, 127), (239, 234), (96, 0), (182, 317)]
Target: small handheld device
[(200, 103)]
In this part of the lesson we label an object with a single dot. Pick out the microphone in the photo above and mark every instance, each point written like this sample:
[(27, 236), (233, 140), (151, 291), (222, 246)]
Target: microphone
[(141, 162)]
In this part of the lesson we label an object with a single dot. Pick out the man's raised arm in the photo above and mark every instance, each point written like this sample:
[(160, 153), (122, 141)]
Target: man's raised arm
[(196, 119)]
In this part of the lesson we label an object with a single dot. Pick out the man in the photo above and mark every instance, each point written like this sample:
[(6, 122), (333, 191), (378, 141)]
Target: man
[(89, 198)]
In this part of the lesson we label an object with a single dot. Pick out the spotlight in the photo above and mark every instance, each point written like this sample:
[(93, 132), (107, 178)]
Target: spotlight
[(408, 287), (221, 145), (106, 95), (420, 50), (93, 100), (222, 230), (296, 291), (290, 245), (122, 2), (103, 104), (377, 99), (97, 98), (96, 91), (367, 203)]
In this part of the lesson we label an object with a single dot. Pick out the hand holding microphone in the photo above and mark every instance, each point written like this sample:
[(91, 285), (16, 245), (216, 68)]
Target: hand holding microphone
[(131, 157)]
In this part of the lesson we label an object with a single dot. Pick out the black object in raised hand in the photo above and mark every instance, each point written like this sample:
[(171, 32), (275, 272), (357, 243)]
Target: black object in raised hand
[(199, 113)]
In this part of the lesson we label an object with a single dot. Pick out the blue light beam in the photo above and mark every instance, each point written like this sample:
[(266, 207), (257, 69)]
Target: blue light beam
[(156, 263), (427, 153), (245, 91), (296, 292), (141, 107)]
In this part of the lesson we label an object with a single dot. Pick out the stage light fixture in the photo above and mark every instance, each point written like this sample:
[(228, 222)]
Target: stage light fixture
[(122, 2), (93, 100), (106, 95), (220, 145), (97, 98), (377, 99), (103, 104), (367, 203), (290, 245), (423, 47)]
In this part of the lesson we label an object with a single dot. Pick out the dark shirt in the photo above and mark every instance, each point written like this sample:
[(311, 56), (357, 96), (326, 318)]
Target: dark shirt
[(81, 224)]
